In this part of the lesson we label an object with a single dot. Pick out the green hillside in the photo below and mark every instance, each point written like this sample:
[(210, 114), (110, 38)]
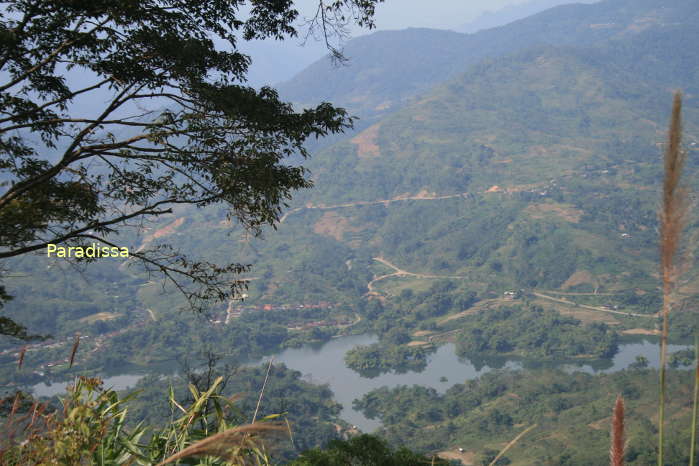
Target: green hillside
[(387, 68), (536, 170), (500, 193), (522, 171)]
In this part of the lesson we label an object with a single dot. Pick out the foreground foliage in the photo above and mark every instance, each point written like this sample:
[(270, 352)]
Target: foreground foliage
[(91, 429)]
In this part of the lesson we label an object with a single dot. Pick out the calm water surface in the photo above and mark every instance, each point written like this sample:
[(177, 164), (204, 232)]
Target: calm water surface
[(325, 365)]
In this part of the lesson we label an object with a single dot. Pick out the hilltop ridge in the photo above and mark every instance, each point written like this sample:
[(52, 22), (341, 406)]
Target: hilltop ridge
[(387, 68)]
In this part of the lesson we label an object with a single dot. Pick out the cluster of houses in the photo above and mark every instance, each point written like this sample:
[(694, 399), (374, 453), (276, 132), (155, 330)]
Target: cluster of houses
[(234, 312)]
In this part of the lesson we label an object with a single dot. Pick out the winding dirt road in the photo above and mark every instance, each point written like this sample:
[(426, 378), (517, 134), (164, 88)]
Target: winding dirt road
[(419, 197), (566, 293), (593, 308), (398, 272)]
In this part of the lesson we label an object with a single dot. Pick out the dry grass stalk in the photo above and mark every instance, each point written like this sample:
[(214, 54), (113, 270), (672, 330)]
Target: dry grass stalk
[(616, 452), (18, 426), (15, 406), (510, 445), (37, 412), (76, 343), (262, 392), (230, 445), (672, 216), (20, 360), (695, 403)]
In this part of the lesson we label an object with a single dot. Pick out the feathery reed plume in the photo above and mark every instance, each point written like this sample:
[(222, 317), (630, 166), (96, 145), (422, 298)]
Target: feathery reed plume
[(231, 445), (616, 452), (15, 405), (671, 223), (76, 343), (510, 445), (693, 437), (20, 360)]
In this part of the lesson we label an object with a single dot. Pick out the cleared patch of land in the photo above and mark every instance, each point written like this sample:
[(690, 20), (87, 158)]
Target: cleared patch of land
[(99, 316), (167, 230), (334, 225), (418, 343), (478, 307), (366, 142), (565, 212), (579, 277), (583, 315), (467, 458), (640, 331)]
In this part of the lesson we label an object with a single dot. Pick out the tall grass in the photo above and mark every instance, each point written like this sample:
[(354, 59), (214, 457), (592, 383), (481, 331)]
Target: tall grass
[(91, 428), (616, 452), (672, 216), (695, 401)]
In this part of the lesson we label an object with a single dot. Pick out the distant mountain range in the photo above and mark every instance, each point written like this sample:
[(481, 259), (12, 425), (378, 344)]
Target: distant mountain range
[(275, 62), (388, 68), (510, 13)]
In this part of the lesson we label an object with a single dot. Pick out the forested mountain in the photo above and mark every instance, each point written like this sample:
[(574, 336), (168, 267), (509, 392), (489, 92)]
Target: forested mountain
[(536, 165), (387, 68), (498, 183), (536, 170), (527, 168)]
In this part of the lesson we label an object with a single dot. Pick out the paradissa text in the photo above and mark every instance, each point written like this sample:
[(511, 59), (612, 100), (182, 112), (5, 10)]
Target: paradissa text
[(91, 251)]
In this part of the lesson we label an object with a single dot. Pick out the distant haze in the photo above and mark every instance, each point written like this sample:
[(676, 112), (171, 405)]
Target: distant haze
[(440, 14), (512, 12), (275, 62)]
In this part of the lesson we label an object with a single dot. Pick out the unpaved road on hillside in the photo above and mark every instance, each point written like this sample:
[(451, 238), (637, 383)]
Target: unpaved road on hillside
[(398, 272), (422, 196), (593, 308), (366, 203), (566, 293)]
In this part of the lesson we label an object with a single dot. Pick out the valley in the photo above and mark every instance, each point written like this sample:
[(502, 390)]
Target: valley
[(477, 255)]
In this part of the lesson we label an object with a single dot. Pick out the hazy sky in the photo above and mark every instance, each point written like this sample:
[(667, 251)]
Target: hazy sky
[(274, 62), (438, 14)]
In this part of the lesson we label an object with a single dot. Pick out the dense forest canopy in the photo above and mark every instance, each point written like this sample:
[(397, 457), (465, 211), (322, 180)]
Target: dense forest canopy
[(494, 206), (178, 125)]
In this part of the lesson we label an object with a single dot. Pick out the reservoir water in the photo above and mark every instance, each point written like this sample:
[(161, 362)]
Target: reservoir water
[(325, 365)]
